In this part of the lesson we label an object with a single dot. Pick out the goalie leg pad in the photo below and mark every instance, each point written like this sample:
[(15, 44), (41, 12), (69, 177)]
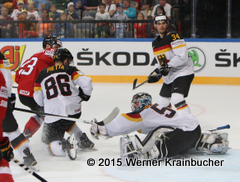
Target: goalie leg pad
[(213, 143)]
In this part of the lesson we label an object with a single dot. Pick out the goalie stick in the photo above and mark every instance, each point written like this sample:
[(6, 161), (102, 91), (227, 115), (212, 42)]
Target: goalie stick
[(29, 170), (109, 118), (135, 84)]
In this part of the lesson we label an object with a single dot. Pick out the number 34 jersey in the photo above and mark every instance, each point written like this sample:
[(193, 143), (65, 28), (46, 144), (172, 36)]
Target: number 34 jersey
[(55, 89), (27, 74), (151, 118)]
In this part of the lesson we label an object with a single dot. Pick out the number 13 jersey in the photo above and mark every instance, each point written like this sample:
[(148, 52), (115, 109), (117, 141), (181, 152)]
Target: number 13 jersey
[(27, 74), (55, 89)]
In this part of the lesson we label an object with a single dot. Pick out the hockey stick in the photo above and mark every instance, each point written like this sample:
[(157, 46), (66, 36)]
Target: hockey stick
[(135, 83), (14, 87), (29, 170), (40, 113), (109, 118), (221, 128)]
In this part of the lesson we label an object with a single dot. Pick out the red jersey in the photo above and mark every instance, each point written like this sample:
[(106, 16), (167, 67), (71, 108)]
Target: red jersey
[(5, 173), (27, 74), (141, 30)]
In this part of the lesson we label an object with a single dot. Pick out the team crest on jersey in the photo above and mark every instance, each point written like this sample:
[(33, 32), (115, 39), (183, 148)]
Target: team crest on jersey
[(3, 92)]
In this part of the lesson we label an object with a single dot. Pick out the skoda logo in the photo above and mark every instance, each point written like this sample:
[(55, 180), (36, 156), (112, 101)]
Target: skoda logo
[(198, 58)]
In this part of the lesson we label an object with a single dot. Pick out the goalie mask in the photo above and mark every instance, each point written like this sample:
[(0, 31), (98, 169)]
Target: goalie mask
[(141, 100), (61, 54)]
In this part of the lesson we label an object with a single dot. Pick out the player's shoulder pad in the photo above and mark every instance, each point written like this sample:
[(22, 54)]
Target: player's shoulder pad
[(49, 52), (154, 41), (71, 69), (43, 74), (173, 35)]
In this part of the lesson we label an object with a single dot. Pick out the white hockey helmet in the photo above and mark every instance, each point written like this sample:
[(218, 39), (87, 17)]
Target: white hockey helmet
[(161, 17), (141, 100)]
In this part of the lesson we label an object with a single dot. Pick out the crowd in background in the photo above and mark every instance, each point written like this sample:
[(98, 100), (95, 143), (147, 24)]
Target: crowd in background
[(60, 11)]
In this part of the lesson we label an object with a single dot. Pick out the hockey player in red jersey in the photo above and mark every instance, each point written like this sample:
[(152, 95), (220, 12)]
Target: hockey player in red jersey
[(26, 76), (55, 89), (169, 132), (10, 125), (6, 152)]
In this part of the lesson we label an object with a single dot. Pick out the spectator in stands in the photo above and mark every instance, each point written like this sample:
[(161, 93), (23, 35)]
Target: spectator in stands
[(17, 12), (90, 4), (72, 15), (53, 12), (120, 29), (38, 6), (167, 7), (61, 4), (45, 28), (63, 30), (136, 4), (26, 29), (145, 9), (102, 29), (159, 10), (32, 13), (128, 10), (110, 8), (5, 28), (15, 3), (140, 28)]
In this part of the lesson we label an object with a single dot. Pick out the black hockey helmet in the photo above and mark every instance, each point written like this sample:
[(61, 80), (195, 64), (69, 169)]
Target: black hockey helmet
[(141, 100), (50, 39), (160, 17), (61, 54)]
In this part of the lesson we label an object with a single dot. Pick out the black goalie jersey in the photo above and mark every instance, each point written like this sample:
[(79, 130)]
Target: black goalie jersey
[(56, 90), (172, 49)]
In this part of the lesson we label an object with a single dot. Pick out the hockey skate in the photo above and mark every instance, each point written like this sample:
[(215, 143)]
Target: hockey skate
[(70, 147), (29, 160), (85, 142)]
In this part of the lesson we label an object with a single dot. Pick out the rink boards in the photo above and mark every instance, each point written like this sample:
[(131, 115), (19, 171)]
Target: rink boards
[(111, 61)]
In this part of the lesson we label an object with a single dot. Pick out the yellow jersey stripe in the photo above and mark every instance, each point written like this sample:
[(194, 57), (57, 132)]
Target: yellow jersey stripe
[(133, 119)]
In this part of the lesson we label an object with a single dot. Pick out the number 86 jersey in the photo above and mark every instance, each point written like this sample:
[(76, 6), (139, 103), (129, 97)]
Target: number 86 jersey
[(55, 89)]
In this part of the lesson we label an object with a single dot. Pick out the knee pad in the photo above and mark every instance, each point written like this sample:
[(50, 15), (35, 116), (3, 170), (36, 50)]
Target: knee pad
[(213, 143), (55, 149), (164, 101)]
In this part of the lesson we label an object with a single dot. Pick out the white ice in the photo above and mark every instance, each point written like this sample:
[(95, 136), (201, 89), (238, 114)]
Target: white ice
[(213, 105)]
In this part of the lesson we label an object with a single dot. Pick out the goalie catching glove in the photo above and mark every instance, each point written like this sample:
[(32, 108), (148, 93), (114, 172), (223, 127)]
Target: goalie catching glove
[(98, 130), (155, 76)]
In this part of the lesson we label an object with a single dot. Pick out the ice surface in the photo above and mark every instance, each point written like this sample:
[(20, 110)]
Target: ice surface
[(213, 105)]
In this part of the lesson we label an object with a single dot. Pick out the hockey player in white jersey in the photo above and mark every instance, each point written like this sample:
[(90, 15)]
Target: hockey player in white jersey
[(10, 125), (174, 66), (169, 132), (55, 89)]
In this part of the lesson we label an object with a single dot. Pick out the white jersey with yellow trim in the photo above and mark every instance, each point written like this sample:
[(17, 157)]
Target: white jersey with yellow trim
[(55, 89), (6, 71), (151, 118), (172, 49)]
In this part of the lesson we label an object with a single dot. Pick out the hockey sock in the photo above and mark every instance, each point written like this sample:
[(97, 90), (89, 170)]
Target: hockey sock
[(33, 125), (179, 102), (5, 172), (76, 130), (164, 101), (18, 141)]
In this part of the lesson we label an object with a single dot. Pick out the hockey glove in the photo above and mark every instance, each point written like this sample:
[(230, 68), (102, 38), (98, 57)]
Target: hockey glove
[(7, 151), (97, 130), (164, 70), (82, 95), (12, 100), (155, 76)]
